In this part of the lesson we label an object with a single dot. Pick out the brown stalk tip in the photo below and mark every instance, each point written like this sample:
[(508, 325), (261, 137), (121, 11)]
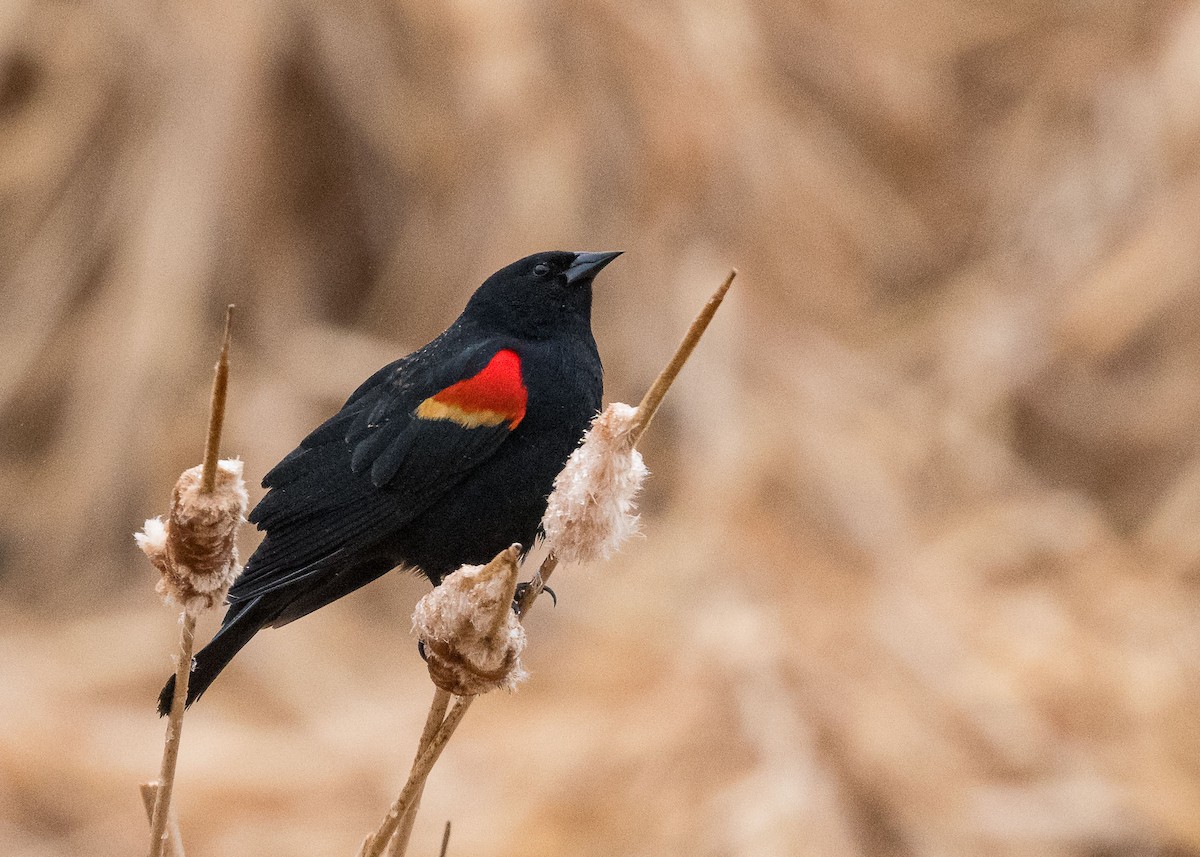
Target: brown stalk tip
[(592, 509), (473, 640), (654, 396), (216, 410)]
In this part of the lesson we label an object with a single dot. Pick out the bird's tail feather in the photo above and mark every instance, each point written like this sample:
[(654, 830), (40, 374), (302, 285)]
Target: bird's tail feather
[(240, 624)]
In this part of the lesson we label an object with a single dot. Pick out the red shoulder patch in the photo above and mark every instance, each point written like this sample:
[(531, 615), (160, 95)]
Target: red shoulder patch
[(495, 395)]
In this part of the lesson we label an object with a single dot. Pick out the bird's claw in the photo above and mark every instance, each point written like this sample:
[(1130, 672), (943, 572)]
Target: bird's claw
[(522, 588)]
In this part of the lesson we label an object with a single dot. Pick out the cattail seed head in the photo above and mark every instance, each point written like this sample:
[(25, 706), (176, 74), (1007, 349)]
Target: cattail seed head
[(473, 640), (195, 549), (592, 510)]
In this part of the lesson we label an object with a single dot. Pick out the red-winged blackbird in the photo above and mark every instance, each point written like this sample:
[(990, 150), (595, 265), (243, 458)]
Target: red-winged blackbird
[(442, 458)]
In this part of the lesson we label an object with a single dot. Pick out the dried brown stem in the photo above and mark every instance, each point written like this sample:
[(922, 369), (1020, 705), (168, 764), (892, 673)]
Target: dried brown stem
[(216, 410), (645, 413), (187, 632), (403, 811), (437, 714), (376, 843), (149, 796), (654, 396), (445, 841), (166, 774)]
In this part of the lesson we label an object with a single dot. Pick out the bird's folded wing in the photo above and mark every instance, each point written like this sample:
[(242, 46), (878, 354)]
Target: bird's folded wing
[(401, 443)]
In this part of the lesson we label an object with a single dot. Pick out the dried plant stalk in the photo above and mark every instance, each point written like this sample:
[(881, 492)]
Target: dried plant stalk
[(216, 408), (646, 410), (159, 834), (648, 407), (437, 713), (166, 776), (174, 839), (376, 843), (402, 814), (473, 644)]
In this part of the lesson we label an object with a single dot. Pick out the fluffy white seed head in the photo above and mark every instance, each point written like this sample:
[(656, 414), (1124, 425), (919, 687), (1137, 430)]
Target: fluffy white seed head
[(592, 510), (473, 639), (195, 549)]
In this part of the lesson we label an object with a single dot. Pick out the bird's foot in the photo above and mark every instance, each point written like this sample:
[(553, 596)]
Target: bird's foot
[(522, 588)]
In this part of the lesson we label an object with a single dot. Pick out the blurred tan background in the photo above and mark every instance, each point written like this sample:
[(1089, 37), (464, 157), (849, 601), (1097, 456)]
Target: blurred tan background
[(921, 563)]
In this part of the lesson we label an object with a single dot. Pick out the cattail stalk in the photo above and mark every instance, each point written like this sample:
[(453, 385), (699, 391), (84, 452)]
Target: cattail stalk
[(648, 407), (646, 410), (174, 840), (159, 834), (376, 843), (166, 775), (402, 814), (437, 713), (216, 409), (473, 644)]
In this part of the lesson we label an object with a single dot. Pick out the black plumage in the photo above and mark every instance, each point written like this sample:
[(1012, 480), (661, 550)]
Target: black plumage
[(442, 458)]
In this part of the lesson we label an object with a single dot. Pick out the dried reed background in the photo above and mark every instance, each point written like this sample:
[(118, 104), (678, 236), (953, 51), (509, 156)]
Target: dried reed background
[(923, 555)]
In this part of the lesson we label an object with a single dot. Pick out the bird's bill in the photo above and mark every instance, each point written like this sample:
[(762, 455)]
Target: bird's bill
[(587, 265)]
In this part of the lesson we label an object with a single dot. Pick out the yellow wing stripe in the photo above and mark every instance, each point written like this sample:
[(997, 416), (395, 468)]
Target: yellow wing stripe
[(432, 409)]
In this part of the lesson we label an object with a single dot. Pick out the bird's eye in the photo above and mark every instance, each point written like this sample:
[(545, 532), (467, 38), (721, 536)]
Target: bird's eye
[(541, 269)]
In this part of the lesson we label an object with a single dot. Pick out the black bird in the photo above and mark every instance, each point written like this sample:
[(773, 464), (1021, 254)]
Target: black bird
[(442, 458)]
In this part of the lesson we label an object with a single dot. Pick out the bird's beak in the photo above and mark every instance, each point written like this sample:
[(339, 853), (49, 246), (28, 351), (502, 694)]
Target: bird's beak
[(587, 265)]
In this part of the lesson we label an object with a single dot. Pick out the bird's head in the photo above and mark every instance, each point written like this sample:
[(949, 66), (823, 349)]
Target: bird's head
[(539, 296)]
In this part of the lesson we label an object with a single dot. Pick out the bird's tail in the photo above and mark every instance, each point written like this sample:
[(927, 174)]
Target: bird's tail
[(240, 624)]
